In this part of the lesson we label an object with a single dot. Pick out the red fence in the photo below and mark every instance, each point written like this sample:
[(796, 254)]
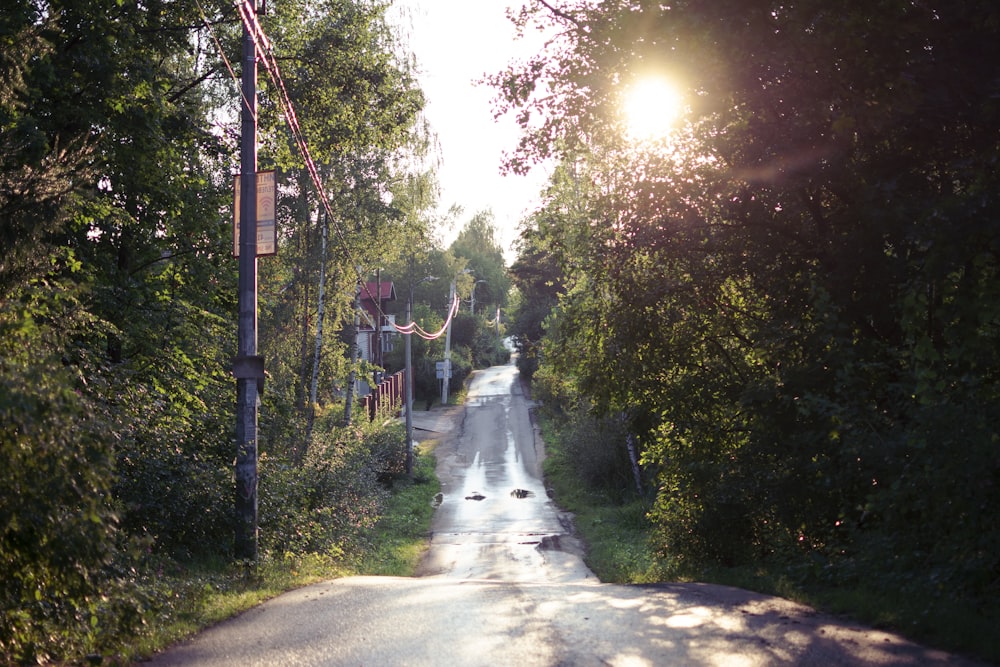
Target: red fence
[(386, 397)]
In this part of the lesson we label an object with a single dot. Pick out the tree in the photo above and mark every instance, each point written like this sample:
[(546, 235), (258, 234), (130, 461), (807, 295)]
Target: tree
[(117, 285), (786, 293), (477, 244), (110, 299), (357, 103)]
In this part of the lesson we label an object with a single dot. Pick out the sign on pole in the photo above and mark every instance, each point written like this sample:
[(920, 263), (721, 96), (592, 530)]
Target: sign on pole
[(267, 238), (443, 369)]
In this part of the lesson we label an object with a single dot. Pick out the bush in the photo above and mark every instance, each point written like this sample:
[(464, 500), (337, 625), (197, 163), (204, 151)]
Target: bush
[(57, 529), (596, 450), (181, 501), (329, 503), (65, 567)]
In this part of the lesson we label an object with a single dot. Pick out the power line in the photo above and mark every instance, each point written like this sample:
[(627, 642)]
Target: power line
[(264, 52)]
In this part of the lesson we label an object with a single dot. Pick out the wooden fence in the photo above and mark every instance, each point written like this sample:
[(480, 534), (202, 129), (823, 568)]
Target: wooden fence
[(386, 397)]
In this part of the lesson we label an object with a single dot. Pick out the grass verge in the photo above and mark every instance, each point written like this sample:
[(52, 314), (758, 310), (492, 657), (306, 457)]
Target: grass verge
[(620, 550), (193, 597), (400, 537)]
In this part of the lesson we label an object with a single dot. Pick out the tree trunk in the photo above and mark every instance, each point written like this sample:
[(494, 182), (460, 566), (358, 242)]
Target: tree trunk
[(634, 460), (317, 350), (354, 355)]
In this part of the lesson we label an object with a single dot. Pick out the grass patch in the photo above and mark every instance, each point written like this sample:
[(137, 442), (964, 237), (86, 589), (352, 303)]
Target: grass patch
[(192, 597), (400, 537), (619, 550), (616, 534)]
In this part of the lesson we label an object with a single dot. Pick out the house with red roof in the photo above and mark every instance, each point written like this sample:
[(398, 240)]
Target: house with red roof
[(376, 332)]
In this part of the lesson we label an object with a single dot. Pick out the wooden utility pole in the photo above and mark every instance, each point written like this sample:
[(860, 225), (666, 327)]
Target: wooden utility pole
[(247, 367), (408, 379)]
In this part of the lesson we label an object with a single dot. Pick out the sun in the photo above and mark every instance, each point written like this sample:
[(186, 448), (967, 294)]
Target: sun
[(650, 108)]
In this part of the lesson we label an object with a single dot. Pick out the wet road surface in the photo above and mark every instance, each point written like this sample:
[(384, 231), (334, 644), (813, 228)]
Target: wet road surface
[(496, 520), (504, 585)]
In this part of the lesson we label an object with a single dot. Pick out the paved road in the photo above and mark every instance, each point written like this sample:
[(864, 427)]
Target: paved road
[(504, 585), (496, 521)]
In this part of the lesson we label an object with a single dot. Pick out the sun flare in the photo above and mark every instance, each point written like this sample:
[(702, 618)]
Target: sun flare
[(650, 108)]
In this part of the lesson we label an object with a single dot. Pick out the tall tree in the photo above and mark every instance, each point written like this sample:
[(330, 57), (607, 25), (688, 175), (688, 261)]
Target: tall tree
[(357, 105), (110, 200), (477, 243), (791, 287)]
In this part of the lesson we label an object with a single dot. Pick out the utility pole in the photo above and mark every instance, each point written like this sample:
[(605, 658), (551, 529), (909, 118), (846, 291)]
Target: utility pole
[(472, 297), (447, 347), (378, 318), (247, 367), (408, 380)]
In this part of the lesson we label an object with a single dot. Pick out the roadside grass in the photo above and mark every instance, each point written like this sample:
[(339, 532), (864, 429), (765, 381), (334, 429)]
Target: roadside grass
[(195, 596), (616, 535), (399, 539), (619, 550)]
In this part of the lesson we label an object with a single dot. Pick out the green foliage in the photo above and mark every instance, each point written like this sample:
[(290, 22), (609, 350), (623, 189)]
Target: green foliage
[(461, 366), (329, 502), (487, 277), (624, 546), (612, 523), (118, 298), (487, 348), (59, 538), (792, 297), (400, 536), (539, 281), (479, 341), (594, 448)]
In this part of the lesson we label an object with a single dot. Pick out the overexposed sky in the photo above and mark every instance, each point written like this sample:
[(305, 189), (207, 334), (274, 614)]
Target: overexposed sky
[(455, 43)]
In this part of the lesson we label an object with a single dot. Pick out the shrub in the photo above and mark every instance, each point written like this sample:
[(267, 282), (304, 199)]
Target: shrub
[(329, 503), (57, 529)]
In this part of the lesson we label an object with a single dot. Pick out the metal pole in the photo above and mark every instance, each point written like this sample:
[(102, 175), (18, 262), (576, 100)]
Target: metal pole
[(408, 380), (447, 348), (248, 365)]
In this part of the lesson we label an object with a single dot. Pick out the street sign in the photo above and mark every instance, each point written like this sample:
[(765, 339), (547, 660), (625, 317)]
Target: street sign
[(267, 239), (440, 369)]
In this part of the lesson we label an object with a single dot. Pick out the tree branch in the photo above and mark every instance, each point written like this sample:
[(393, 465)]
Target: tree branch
[(563, 15)]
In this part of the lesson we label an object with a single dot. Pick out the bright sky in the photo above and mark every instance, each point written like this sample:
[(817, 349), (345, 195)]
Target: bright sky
[(456, 42)]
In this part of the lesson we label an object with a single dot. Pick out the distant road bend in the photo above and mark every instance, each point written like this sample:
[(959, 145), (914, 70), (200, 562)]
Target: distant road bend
[(503, 584)]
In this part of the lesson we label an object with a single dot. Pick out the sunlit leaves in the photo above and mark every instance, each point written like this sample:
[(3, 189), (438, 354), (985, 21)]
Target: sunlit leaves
[(794, 302)]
